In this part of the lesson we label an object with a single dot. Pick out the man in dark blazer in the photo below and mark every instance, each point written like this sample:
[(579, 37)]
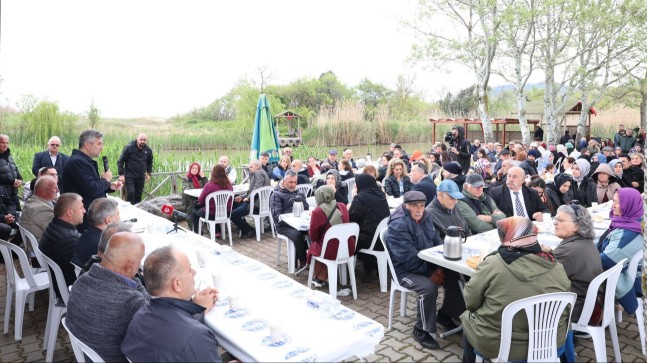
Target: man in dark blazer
[(421, 182), (516, 199), (51, 157)]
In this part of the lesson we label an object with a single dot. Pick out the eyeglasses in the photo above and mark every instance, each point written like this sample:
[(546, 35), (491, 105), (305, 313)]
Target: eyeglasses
[(558, 220), (55, 145)]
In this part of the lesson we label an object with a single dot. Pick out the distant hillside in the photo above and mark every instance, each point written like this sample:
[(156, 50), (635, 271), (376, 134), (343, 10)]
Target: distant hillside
[(508, 87)]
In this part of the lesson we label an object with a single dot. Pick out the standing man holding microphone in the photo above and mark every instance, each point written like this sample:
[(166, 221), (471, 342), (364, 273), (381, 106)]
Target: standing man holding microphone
[(135, 167), (81, 174)]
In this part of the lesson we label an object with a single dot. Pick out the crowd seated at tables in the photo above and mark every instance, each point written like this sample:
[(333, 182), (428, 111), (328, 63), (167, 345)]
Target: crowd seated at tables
[(478, 189)]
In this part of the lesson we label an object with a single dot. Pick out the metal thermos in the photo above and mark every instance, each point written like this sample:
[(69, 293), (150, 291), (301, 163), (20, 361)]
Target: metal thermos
[(453, 244), (297, 206)]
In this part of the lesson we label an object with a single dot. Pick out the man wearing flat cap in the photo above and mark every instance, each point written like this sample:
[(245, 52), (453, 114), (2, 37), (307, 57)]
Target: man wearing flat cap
[(453, 171), (477, 207), (411, 230)]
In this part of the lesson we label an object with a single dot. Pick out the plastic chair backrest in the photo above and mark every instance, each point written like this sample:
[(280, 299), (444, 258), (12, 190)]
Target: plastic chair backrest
[(341, 232), (60, 279), (263, 200), (305, 189), (611, 277), (81, 348), (350, 183), (633, 264), (394, 277), (12, 273), (223, 207), (28, 236), (383, 224), (544, 313)]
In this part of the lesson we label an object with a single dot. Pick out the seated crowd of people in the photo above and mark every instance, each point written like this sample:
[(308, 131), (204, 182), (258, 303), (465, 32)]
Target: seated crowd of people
[(123, 311)]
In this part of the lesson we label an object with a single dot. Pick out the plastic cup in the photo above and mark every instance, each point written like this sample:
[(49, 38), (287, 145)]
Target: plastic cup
[(217, 281), (276, 330), (234, 301), (200, 256)]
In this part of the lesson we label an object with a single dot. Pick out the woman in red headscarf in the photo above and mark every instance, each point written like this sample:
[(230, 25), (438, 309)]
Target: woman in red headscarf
[(195, 179)]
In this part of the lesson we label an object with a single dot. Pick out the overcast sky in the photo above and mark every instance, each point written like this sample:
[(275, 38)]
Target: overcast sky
[(160, 58)]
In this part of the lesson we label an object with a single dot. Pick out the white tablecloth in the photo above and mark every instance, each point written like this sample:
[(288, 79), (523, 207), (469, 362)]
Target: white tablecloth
[(268, 298), (238, 190)]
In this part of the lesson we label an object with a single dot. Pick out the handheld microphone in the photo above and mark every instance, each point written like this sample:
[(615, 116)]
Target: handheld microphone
[(106, 168), (169, 210)]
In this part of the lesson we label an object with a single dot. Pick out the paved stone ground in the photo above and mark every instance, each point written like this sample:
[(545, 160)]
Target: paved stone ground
[(397, 344)]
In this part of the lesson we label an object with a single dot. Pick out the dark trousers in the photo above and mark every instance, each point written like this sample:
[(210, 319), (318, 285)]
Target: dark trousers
[(427, 292), (298, 237), (453, 302), (238, 217), (135, 188)]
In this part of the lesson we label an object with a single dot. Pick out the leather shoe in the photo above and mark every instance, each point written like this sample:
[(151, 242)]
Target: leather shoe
[(424, 339), (446, 322)]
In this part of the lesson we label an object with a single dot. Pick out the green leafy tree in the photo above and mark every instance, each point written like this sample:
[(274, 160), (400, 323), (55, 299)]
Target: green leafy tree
[(43, 119), (93, 115), (372, 95)]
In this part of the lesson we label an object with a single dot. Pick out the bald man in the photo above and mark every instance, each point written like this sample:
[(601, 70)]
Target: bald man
[(165, 328), (103, 300), (38, 211), (51, 157), (514, 198), (135, 167)]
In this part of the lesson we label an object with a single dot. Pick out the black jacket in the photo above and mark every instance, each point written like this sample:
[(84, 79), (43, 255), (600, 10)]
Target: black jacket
[(502, 198), (58, 243), (8, 174), (585, 192), (42, 159), (427, 187), (135, 162), (464, 156), (87, 246)]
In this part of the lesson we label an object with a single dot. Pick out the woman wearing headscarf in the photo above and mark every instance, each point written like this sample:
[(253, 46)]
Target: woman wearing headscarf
[(562, 187), (547, 195), (622, 240), (617, 169), (327, 214), (518, 262), (637, 174), (195, 179), (605, 182), (333, 180), (596, 160), (583, 187), (368, 209)]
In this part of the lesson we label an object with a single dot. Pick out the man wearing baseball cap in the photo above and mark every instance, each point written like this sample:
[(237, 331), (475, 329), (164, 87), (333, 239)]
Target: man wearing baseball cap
[(411, 230), (444, 214), (477, 207), (332, 159)]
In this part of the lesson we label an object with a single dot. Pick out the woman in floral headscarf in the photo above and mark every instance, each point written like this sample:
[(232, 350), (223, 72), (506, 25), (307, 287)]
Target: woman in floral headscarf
[(518, 262), (622, 240)]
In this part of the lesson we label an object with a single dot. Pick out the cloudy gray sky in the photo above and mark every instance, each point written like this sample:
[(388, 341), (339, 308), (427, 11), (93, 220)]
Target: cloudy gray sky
[(160, 58)]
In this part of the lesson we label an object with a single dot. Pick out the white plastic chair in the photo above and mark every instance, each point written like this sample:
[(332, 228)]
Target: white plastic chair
[(543, 313), (291, 252), (305, 189), (312, 202), (264, 211), (379, 255), (80, 348), (341, 232), (608, 314), (395, 284), (223, 211), (22, 288), (640, 320), (29, 237), (56, 308), (350, 184), (77, 269)]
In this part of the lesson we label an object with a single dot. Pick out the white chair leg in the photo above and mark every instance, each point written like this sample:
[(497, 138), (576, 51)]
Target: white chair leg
[(613, 331), (311, 272), (229, 231), (403, 304), (272, 225), (200, 228), (292, 255), (20, 314), (343, 277), (278, 252), (49, 318), (258, 224), (599, 344), (53, 333), (332, 279), (640, 321), (32, 297), (618, 316), (391, 301), (382, 272), (7, 311), (351, 273)]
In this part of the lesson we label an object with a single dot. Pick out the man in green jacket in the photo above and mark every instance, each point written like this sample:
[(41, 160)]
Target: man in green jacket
[(478, 209)]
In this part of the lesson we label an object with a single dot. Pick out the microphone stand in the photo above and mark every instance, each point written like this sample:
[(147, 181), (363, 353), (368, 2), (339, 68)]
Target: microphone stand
[(175, 227)]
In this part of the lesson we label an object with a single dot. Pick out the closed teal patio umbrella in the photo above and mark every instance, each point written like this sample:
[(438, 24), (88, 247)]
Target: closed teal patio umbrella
[(265, 138)]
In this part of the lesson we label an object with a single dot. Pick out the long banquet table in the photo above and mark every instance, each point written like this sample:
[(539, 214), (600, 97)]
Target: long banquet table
[(266, 300)]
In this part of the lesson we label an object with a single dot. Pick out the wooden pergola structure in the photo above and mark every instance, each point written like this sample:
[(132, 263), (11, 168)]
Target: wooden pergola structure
[(499, 126), (294, 128)]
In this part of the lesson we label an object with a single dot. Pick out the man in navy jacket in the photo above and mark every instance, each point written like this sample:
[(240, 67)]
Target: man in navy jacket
[(51, 157), (421, 182)]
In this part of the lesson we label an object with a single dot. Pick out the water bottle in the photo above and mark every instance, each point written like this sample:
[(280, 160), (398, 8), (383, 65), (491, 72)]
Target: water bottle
[(297, 206)]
